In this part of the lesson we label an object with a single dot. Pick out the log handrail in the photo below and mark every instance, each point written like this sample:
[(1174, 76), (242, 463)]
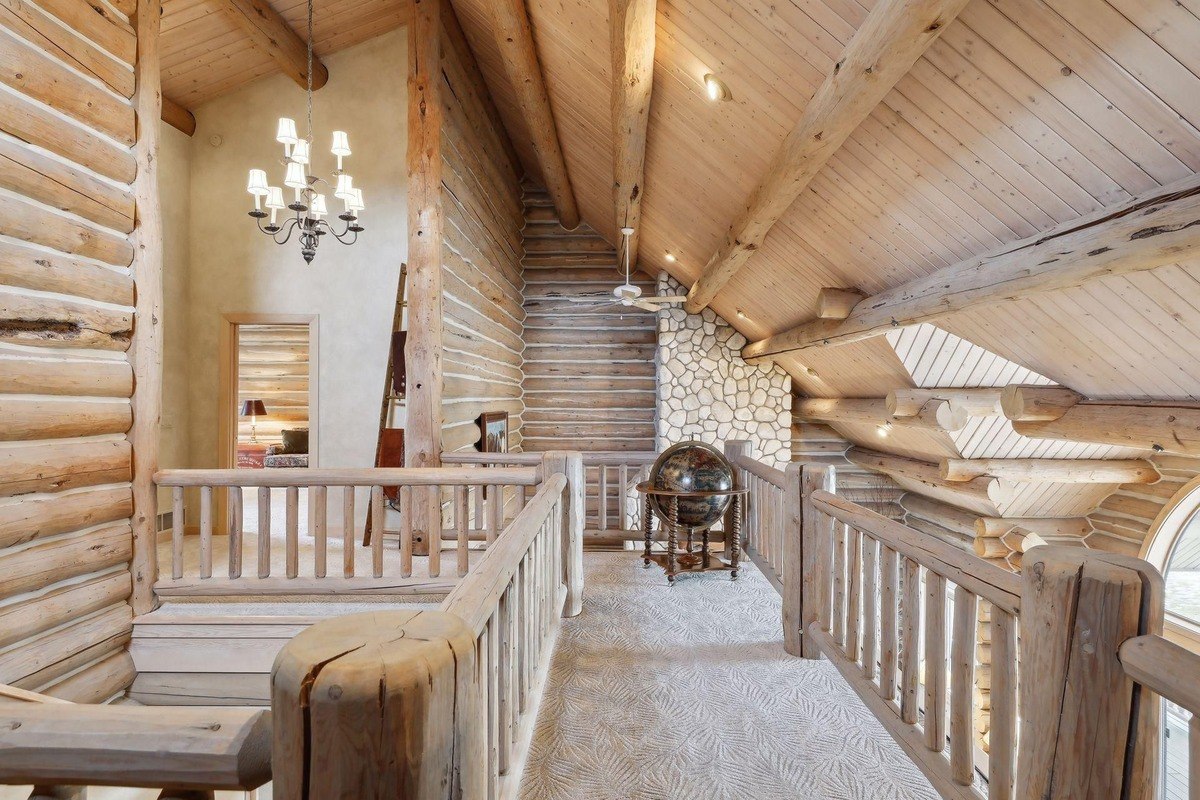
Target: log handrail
[(773, 476), (1165, 668), (475, 597), (590, 459), (373, 476), (986, 580)]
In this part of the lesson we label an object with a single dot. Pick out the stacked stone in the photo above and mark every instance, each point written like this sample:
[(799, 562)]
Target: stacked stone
[(706, 391)]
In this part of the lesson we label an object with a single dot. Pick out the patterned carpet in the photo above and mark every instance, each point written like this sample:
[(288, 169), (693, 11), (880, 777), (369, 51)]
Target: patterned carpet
[(661, 693)]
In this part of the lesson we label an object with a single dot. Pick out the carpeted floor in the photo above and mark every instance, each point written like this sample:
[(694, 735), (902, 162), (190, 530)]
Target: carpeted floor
[(685, 693)]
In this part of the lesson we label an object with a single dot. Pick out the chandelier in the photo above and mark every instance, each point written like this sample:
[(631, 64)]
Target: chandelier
[(308, 205)]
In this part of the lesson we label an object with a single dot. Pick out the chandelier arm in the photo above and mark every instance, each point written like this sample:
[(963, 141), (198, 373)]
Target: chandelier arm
[(288, 227)]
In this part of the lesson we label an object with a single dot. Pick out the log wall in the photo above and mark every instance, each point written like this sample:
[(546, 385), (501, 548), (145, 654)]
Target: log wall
[(80, 268), (481, 275), (1122, 521), (590, 379)]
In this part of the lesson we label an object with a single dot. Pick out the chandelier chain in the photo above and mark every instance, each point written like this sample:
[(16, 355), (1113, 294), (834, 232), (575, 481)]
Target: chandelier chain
[(310, 70)]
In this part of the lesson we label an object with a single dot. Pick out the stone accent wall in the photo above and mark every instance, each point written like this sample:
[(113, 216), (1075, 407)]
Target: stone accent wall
[(706, 391)]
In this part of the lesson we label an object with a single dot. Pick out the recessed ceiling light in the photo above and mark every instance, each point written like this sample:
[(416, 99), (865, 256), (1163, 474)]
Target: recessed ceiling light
[(741, 314), (716, 88), (670, 257), (884, 429)]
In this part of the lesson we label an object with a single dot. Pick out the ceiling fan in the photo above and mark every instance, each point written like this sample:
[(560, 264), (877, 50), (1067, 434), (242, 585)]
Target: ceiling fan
[(627, 294)]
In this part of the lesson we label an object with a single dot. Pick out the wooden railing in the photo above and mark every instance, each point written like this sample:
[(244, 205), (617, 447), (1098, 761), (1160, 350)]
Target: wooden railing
[(61, 748), (772, 515), (611, 507), (464, 505), (441, 703)]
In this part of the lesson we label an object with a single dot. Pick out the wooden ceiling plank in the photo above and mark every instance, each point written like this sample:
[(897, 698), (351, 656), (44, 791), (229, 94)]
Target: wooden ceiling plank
[(271, 34), (1151, 230), (882, 51), (514, 37), (632, 40)]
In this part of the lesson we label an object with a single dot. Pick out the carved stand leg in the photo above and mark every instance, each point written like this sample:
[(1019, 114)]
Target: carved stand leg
[(735, 536), (704, 549), (672, 537), (648, 527)]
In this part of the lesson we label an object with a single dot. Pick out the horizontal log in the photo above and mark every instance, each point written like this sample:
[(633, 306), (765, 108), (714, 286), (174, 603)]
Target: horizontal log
[(49, 562), (106, 679), (21, 620), (837, 303), (987, 490), (53, 322), (53, 467), (35, 518), (22, 419), (91, 377), (936, 415), (348, 476), (1048, 527), (27, 172), (955, 519), (1037, 403), (29, 267), (29, 222), (55, 653), (1053, 470), (1174, 429), (972, 402), (133, 746), (941, 532), (1148, 231), (304, 587), (84, 40)]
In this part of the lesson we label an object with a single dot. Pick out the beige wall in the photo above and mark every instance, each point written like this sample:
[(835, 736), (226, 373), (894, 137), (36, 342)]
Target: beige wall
[(174, 189), (233, 268)]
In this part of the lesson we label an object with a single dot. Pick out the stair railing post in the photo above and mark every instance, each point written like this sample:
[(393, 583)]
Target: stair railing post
[(570, 465), (815, 535), (793, 560), (1087, 729), (734, 449)]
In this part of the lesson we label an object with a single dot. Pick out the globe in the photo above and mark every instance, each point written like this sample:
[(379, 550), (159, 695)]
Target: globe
[(692, 467)]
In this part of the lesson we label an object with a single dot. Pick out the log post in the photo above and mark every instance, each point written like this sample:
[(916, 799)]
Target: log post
[(570, 465), (380, 704), (1087, 729), (815, 532), (793, 560)]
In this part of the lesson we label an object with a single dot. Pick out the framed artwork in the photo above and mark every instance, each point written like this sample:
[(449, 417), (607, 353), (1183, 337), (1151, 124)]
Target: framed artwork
[(493, 432)]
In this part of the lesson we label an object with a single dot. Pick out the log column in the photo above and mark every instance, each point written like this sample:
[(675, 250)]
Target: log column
[(1088, 730), (381, 704)]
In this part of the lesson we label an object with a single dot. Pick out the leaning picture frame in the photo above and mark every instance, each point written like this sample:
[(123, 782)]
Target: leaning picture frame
[(493, 432)]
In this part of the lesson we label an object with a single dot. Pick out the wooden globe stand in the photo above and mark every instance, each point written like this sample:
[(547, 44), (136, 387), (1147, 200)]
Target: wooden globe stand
[(676, 561)]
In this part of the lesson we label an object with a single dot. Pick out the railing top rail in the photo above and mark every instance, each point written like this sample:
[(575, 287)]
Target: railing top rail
[(277, 478), (590, 459), (986, 580), (1165, 668), (775, 477), (473, 599)]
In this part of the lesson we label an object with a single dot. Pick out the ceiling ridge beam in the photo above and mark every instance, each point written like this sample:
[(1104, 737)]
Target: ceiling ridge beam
[(1151, 230), (514, 40), (273, 35), (632, 39), (881, 52)]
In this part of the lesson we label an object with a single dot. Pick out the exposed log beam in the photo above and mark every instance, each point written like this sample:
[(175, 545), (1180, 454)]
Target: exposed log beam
[(1169, 428), (632, 24), (1151, 230), (178, 117), (514, 39), (837, 303), (1054, 470), (271, 33), (972, 402), (980, 490), (936, 415), (881, 52), (1037, 403), (1050, 527)]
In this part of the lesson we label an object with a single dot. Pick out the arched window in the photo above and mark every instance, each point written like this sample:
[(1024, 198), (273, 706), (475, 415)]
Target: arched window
[(1173, 545)]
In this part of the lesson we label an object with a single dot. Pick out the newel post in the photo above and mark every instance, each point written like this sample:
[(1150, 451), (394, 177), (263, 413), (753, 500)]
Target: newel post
[(380, 704), (809, 594), (735, 449), (1087, 730), (570, 465)]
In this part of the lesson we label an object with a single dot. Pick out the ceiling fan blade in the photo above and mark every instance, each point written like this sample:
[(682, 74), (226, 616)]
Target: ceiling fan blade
[(642, 304), (586, 298), (667, 298)]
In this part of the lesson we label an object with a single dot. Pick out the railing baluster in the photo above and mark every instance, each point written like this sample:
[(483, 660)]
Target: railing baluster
[(496, 512), (910, 634), (854, 593), (206, 531), (264, 532), (497, 758), (870, 598), (177, 533), (235, 531), (348, 537), (319, 513), (292, 530), (478, 501), (1194, 757), (460, 529), (837, 610), (435, 534), (377, 517), (505, 714), (887, 623), (962, 679), (1002, 736), (623, 496), (935, 661), (603, 508), (406, 531)]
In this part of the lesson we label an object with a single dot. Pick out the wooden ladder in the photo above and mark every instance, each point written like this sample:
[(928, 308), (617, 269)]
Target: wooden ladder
[(390, 396)]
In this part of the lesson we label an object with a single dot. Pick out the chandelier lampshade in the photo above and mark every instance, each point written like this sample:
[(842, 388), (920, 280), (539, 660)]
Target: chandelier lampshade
[(310, 205)]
